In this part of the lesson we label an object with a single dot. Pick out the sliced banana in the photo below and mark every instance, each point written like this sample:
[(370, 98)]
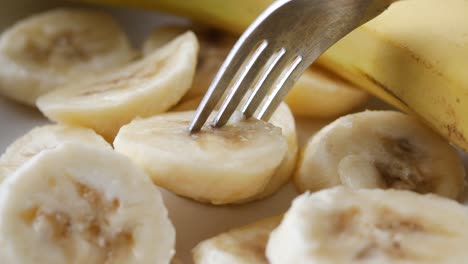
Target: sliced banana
[(144, 88), (83, 204), (214, 48), (282, 118), (244, 245), (45, 51), (341, 225), (322, 94), (216, 165), (381, 149), (44, 138)]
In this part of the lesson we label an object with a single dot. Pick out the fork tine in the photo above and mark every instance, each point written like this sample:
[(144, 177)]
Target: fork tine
[(239, 53), (286, 82), (243, 82), (264, 84)]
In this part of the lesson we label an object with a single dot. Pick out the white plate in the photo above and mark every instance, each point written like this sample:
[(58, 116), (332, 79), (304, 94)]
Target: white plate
[(193, 221)]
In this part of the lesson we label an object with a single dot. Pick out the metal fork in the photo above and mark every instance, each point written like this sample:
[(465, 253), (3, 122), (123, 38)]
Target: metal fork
[(275, 50)]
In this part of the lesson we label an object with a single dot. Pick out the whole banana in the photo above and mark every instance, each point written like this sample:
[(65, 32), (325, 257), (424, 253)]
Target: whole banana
[(413, 56)]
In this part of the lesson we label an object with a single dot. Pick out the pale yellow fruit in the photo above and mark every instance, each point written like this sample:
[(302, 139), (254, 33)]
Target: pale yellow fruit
[(244, 245), (46, 51), (381, 149), (214, 48), (44, 138), (223, 165), (323, 94), (342, 225), (144, 88)]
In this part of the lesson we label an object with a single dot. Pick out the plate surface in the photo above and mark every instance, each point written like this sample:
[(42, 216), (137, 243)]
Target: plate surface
[(193, 221)]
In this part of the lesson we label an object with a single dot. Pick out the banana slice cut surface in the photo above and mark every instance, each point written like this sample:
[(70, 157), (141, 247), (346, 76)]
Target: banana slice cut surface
[(144, 88), (214, 48), (45, 51), (343, 225), (82, 204), (44, 138), (222, 165), (244, 245), (381, 149)]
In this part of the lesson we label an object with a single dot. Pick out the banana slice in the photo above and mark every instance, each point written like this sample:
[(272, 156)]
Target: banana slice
[(214, 48), (144, 88), (45, 51), (380, 149), (222, 165), (244, 245), (82, 204), (282, 118), (322, 94), (44, 138), (342, 225)]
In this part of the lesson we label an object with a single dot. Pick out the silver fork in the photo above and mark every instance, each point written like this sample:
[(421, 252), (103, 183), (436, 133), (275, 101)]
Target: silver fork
[(275, 50)]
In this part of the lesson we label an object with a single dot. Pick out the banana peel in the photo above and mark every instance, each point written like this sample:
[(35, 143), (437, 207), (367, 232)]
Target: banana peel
[(413, 56)]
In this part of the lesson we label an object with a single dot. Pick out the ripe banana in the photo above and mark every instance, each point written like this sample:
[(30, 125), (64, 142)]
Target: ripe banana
[(44, 138), (244, 245), (342, 225), (45, 51), (225, 165), (381, 149), (83, 204), (282, 118), (143, 88)]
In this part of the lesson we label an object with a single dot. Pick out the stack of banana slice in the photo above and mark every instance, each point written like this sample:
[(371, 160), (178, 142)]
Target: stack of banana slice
[(383, 180), (43, 52)]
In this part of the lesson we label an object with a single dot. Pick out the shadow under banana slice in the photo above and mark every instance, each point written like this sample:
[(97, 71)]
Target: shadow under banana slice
[(380, 149), (48, 50), (144, 88)]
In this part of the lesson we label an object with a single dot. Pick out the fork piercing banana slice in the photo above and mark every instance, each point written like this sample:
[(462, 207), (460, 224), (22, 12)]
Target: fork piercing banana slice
[(282, 118), (381, 149), (45, 51), (343, 225), (44, 138), (214, 48), (217, 165), (244, 245), (82, 204), (144, 88)]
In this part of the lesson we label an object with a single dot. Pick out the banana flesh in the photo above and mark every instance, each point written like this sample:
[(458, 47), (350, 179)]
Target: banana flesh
[(282, 118), (44, 138), (214, 47), (223, 165), (320, 93), (342, 225), (83, 204), (45, 51), (241, 245), (143, 88), (381, 149)]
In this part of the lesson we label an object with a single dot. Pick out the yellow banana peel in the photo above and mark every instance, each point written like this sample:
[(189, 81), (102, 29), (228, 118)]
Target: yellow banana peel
[(414, 55)]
